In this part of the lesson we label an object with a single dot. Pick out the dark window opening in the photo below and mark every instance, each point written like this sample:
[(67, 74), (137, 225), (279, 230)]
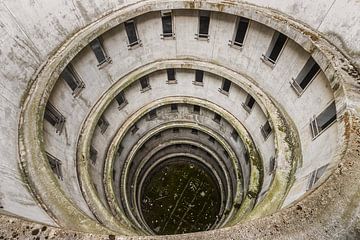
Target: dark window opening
[(174, 107), (226, 154), (134, 129), (242, 27), (272, 165), (167, 26), (199, 76), (72, 79), (266, 130), (204, 23), (54, 117), (55, 165), (144, 83), (93, 155), (157, 136), (113, 174), (226, 85), (249, 103), (119, 151), (176, 130), (170, 74), (103, 124), (276, 46), (316, 175), (211, 139), (246, 156), (323, 120), (99, 52), (194, 131), (306, 75), (196, 109), (120, 98), (131, 33), (234, 134), (217, 118), (193, 147), (152, 114)]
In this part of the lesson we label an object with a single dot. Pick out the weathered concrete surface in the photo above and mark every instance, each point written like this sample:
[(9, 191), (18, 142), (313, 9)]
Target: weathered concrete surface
[(14, 228), (13, 67), (331, 212), (18, 63)]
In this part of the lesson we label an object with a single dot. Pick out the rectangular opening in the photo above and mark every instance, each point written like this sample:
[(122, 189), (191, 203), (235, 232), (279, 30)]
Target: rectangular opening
[(306, 76), (167, 25), (152, 114), (102, 124), (246, 156), (54, 117), (199, 77), (316, 175), (272, 164), (211, 139), (234, 134), (266, 130), (241, 30), (174, 107), (119, 151), (134, 129), (226, 154), (217, 118), (93, 155), (97, 48), (55, 165), (176, 130), (204, 23), (114, 174), (324, 120), (157, 136), (320, 172), (144, 83), (72, 79), (171, 75), (120, 99), (276, 46), (131, 32), (225, 88), (249, 103), (194, 131), (196, 109)]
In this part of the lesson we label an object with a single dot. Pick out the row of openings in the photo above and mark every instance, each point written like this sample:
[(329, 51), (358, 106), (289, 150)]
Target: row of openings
[(300, 83), (318, 125), (71, 77), (103, 124)]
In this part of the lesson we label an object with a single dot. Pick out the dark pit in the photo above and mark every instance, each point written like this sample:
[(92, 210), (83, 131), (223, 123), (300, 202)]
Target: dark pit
[(180, 197)]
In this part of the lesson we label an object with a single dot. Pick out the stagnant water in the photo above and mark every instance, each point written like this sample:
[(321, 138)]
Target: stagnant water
[(180, 197)]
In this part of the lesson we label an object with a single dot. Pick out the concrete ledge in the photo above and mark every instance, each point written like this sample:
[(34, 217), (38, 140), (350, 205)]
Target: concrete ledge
[(338, 69), (170, 124), (286, 137)]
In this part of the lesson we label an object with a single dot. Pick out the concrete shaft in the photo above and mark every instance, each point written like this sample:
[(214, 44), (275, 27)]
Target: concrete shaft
[(259, 99)]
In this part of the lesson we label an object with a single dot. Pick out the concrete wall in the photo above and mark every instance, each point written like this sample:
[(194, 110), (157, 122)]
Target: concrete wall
[(32, 31)]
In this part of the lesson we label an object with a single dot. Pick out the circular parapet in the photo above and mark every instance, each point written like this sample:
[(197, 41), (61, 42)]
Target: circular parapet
[(45, 188)]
